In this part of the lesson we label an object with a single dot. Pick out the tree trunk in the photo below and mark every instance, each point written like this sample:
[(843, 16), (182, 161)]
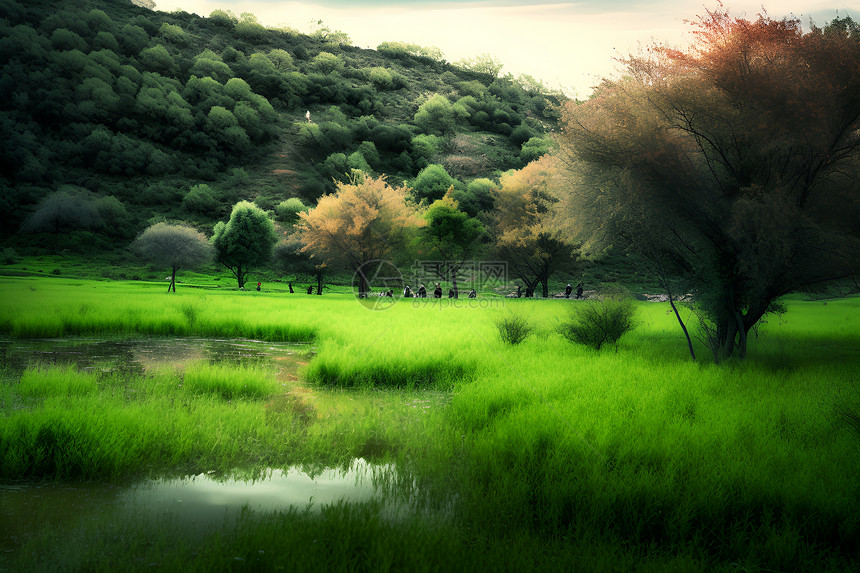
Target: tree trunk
[(730, 329), (319, 283), (454, 283), (240, 276), (683, 327), (742, 335), (363, 287)]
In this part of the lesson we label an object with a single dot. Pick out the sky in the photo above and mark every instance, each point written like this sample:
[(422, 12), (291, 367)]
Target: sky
[(566, 45)]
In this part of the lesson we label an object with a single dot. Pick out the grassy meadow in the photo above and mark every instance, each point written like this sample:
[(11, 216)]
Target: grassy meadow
[(531, 456)]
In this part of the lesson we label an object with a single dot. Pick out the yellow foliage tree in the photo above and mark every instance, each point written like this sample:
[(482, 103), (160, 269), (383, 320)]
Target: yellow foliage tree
[(528, 229), (365, 222)]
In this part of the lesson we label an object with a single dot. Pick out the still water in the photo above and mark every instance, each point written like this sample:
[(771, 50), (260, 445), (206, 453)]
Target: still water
[(140, 355), (195, 502)]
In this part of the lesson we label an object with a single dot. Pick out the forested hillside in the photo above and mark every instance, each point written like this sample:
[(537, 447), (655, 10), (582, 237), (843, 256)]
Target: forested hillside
[(113, 116)]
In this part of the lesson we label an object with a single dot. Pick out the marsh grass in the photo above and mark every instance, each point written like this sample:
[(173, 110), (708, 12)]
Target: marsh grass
[(558, 457), (228, 381), (48, 381)]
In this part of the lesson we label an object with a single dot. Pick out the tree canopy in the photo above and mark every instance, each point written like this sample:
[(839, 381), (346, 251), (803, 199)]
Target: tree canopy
[(176, 246), (738, 154), (450, 238), (245, 241), (364, 221), (527, 227)]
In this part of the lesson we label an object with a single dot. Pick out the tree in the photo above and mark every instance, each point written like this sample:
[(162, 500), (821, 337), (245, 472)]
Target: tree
[(68, 208), (527, 232), (432, 183), (436, 116), (451, 237), (289, 258), (483, 64), (245, 241), (478, 197), (740, 153), (288, 211), (174, 246), (363, 222), (201, 199)]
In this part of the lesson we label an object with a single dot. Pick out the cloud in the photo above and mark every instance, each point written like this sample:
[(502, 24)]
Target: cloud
[(564, 44)]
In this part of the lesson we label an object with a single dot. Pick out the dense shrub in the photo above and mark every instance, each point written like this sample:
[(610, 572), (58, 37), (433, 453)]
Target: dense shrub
[(602, 320), (514, 329)]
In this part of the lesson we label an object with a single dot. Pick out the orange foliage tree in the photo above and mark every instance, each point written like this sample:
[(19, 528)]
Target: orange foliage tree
[(733, 163), (364, 222)]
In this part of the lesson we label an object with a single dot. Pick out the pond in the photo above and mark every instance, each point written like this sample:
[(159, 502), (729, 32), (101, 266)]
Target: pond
[(136, 356), (196, 503)]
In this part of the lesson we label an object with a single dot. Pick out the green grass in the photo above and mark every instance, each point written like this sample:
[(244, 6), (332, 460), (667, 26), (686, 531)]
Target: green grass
[(559, 456), (62, 381), (230, 382)]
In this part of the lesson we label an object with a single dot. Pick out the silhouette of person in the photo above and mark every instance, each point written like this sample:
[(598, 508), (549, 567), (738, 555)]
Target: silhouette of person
[(422, 292), (579, 290), (450, 293), (567, 290), (258, 286), (389, 293), (472, 293), (291, 288), (437, 292), (311, 289), (519, 291)]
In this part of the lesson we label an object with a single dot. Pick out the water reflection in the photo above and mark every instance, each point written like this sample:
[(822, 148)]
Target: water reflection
[(205, 500), (198, 502), (138, 356)]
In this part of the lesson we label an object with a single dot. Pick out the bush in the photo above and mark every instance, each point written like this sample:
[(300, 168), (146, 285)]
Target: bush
[(9, 255), (602, 320), (514, 329), (201, 200)]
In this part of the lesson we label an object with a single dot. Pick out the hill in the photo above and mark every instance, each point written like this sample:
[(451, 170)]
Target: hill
[(114, 116)]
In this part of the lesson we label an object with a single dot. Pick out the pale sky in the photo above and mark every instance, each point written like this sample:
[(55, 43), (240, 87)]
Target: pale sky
[(568, 45)]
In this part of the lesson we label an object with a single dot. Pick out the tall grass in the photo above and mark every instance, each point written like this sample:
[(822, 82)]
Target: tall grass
[(54, 309), (639, 457), (56, 381), (229, 382)]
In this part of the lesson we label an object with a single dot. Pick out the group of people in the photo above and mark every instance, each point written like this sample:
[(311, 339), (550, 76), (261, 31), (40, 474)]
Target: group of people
[(568, 290), (437, 292)]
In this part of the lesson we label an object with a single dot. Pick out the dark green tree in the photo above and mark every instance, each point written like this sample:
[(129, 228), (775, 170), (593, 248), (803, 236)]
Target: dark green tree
[(450, 237), (67, 209), (245, 241), (432, 183)]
